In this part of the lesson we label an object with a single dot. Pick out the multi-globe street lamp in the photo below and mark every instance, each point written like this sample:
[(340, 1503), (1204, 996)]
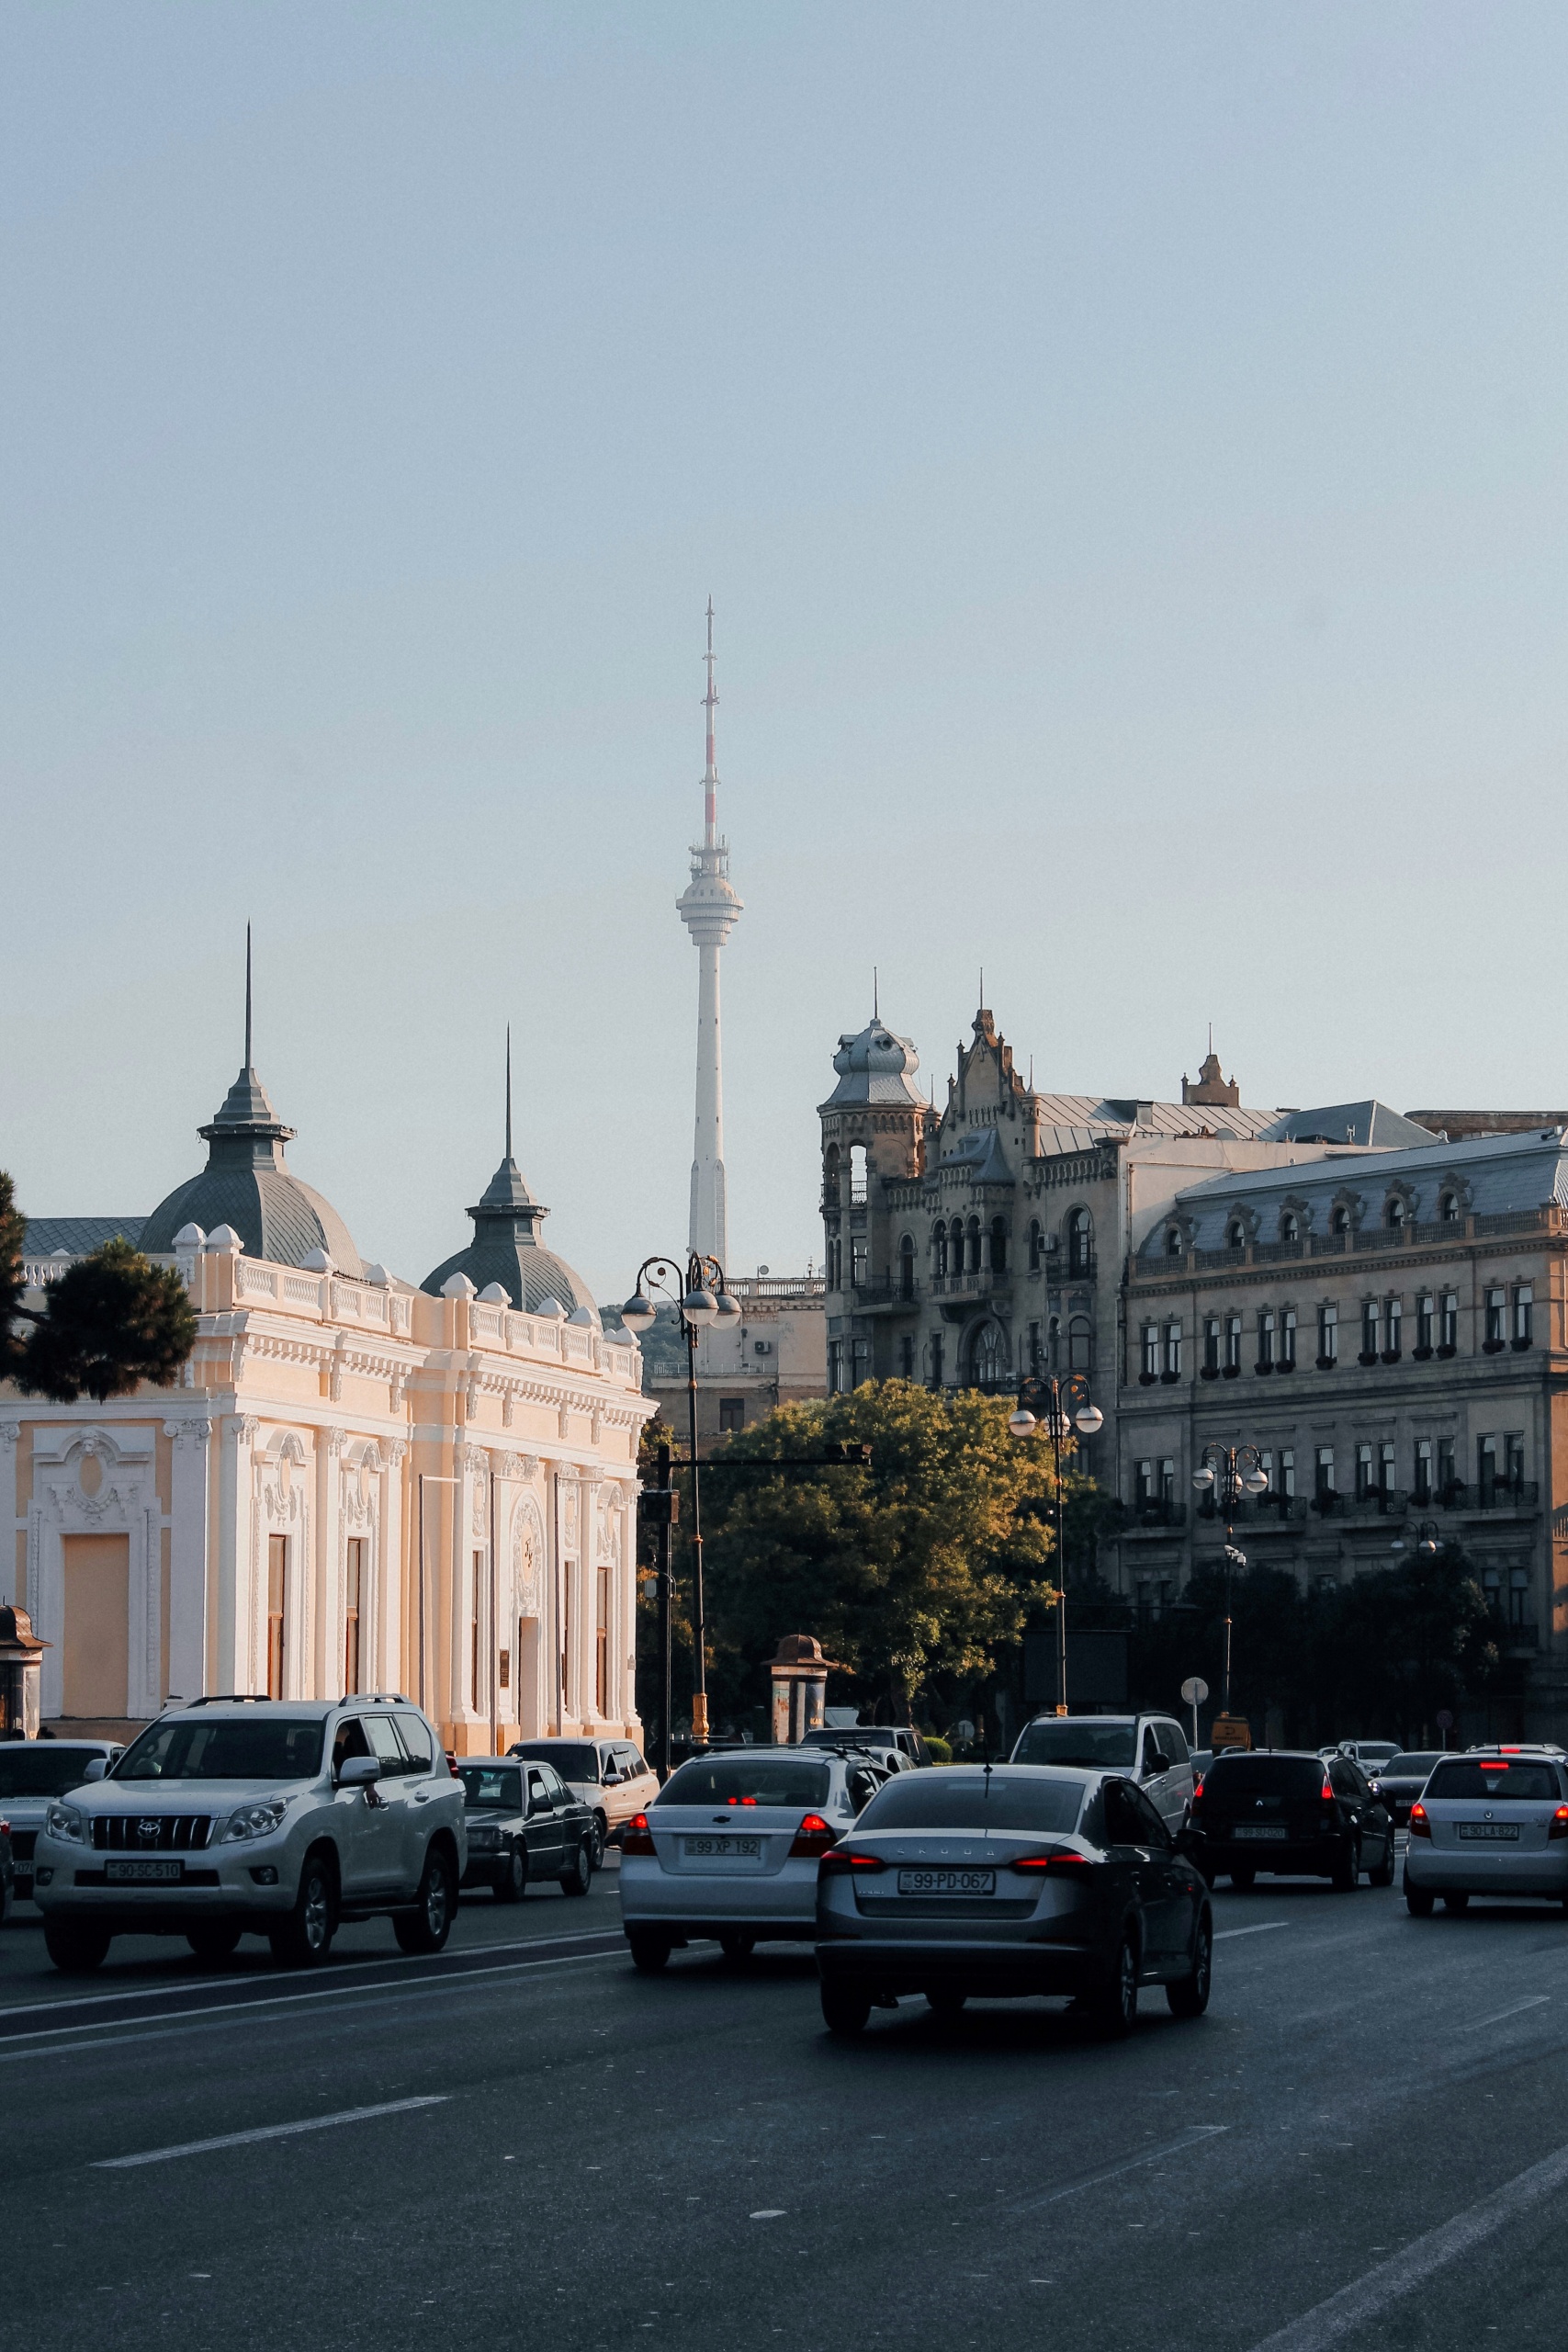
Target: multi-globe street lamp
[(1060, 1405), (1229, 1472), (700, 1299)]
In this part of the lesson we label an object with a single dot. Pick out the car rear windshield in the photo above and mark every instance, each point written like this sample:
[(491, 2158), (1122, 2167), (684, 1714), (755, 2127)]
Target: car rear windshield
[(573, 1759), (1408, 1767), (1263, 1776), (943, 1801), (1098, 1746), (220, 1748), (1512, 1782), (484, 1784), (43, 1770), (734, 1780)]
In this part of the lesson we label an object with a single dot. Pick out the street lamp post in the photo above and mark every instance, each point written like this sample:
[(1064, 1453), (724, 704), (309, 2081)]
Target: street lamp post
[(702, 1301), (1229, 1471), (1061, 1406)]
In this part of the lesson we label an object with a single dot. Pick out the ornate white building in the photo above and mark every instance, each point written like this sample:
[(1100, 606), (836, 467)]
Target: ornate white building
[(360, 1486)]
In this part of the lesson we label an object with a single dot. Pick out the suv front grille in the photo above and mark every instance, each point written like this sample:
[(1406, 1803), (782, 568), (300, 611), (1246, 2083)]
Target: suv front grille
[(151, 1833)]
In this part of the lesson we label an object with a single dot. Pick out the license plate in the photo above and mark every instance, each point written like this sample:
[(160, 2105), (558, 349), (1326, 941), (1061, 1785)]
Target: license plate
[(143, 1873), (1278, 1832), (723, 1850), (947, 1882), (1498, 1833)]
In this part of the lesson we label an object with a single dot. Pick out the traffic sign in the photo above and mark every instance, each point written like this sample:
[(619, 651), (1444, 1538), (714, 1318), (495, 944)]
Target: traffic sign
[(1444, 1720), (1194, 1690), (1230, 1731)]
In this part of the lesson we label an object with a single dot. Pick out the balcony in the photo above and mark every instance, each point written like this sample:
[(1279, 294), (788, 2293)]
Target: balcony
[(982, 1281), (1155, 1512), (886, 1294), (1078, 1266), (1504, 1494), (1256, 1511)]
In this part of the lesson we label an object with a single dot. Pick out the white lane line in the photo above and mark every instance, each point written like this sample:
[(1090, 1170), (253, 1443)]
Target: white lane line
[(47, 2045), (267, 2132), (1518, 2009), (1334, 2318), (1191, 2138), (1264, 1928)]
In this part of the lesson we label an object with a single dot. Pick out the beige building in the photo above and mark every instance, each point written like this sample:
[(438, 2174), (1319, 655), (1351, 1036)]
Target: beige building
[(775, 1353), (359, 1486)]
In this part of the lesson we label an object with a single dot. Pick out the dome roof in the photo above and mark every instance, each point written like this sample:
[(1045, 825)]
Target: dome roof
[(247, 1184), (506, 1249), (875, 1067)]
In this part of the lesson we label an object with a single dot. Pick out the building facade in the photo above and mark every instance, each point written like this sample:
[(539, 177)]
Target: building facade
[(358, 1485), (775, 1353)]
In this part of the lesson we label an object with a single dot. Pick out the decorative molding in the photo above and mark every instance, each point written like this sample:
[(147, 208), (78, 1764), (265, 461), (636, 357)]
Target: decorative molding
[(10, 1431), (336, 1440)]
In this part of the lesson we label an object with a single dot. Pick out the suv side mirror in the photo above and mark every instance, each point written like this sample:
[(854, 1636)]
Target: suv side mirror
[(98, 1768), (358, 1772)]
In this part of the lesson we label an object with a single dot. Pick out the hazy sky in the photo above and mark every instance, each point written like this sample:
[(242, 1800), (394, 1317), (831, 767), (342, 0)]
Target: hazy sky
[(1125, 447)]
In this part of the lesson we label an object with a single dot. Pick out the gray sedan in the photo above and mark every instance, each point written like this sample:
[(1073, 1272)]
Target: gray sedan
[(1008, 1883)]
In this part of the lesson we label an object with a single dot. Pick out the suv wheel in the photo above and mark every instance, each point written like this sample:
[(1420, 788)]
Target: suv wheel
[(305, 1938), (845, 2011), (578, 1876), (75, 1949), (428, 1925), (1241, 1880), (212, 1946), (513, 1879)]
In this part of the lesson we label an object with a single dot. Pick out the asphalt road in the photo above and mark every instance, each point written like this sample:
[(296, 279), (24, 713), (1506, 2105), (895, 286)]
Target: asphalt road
[(1364, 2143)]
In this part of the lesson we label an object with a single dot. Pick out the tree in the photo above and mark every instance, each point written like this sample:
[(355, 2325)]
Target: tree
[(923, 1565), (110, 1321)]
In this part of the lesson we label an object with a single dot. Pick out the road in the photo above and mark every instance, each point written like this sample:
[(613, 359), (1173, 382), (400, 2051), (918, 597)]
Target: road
[(1375, 2109)]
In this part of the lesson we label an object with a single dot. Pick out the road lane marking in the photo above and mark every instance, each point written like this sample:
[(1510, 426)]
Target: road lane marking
[(1518, 2009), (1334, 2318), (48, 2043), (1264, 1928), (268, 2132), (1191, 2138)]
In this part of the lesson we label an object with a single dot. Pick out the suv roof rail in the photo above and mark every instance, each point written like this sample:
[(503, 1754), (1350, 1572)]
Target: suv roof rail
[(233, 1698)]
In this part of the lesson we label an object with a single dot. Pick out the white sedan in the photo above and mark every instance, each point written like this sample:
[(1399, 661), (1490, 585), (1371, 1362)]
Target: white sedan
[(728, 1849)]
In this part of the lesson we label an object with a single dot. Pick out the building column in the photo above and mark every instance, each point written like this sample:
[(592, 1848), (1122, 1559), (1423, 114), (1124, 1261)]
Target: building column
[(237, 1663), (189, 1524), (390, 1574), (324, 1587), (10, 1435)]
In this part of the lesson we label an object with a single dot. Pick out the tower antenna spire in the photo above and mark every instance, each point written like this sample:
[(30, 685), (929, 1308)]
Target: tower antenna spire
[(710, 778), (708, 906), (247, 995), (508, 1090)]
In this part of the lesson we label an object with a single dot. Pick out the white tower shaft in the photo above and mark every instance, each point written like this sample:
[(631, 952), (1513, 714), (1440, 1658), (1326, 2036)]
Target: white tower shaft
[(708, 906)]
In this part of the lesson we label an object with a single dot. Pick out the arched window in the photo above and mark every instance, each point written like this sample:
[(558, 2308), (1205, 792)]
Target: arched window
[(1236, 1234), (975, 1252), (955, 1246), (938, 1250), (1036, 1246), (1289, 1226), (831, 1199), (999, 1244), (1175, 1243), (1448, 1208), (857, 1175), (1080, 1344), (1340, 1221), (1080, 1242), (906, 1266), (988, 1357), (1394, 1213)]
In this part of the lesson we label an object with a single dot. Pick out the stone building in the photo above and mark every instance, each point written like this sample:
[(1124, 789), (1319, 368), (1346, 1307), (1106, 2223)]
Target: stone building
[(774, 1353), (359, 1486)]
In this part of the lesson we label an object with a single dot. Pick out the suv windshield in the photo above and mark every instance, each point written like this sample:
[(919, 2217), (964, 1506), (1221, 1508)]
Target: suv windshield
[(1504, 1780), (945, 1800), (1106, 1747), (733, 1779), (29, 1768), (484, 1785), (224, 1747), (573, 1759), (1263, 1776)]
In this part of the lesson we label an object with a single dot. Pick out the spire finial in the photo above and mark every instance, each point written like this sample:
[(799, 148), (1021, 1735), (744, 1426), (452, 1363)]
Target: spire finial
[(710, 778), (248, 1064), (982, 988), (875, 999), (508, 1090), (1210, 1036)]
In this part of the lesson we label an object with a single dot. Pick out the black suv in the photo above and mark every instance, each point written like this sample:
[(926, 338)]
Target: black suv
[(1292, 1815)]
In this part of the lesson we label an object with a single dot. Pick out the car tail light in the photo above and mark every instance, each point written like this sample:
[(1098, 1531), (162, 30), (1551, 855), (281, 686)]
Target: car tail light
[(844, 1857), (1197, 1796), (739, 1800), (636, 1838), (1326, 1791), (813, 1837), (1559, 1823), (1421, 1827), (1064, 1859)]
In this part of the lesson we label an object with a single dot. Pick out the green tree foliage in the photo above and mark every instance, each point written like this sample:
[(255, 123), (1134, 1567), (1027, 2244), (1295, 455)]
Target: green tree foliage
[(110, 1321), (923, 1565)]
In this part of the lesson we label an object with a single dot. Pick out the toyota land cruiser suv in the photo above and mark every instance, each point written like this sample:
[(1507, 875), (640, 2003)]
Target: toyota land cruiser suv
[(257, 1817)]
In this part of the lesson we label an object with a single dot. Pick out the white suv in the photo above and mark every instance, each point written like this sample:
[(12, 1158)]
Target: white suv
[(257, 1817)]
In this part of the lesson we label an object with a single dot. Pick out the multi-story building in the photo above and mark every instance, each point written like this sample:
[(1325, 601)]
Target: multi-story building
[(774, 1353)]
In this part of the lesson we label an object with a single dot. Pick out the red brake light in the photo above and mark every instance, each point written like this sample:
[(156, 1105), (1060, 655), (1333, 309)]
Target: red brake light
[(1062, 1859), (844, 1857), (1559, 1823), (739, 1800), (1326, 1791), (813, 1837), (1421, 1827), (636, 1838)]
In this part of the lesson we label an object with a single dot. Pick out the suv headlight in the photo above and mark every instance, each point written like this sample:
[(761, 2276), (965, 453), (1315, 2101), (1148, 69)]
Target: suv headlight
[(64, 1821), (256, 1820)]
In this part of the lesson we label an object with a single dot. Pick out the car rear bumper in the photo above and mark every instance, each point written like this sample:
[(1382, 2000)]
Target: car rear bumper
[(1444, 1869), (996, 1972), (1310, 1858), (707, 1930), (783, 1904)]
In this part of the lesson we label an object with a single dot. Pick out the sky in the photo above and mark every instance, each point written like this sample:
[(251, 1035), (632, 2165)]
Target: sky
[(1125, 449)]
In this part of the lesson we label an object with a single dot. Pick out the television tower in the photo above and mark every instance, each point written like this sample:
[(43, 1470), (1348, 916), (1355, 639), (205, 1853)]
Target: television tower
[(708, 906)]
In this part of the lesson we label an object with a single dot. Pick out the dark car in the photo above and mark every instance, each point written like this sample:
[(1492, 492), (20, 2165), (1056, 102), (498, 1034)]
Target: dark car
[(1008, 1882), (1401, 1780), (1294, 1816), (525, 1825)]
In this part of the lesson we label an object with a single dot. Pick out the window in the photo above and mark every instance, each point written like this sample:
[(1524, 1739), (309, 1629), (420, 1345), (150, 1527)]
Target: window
[(1265, 1337), (1036, 1246), (1167, 1483), (1385, 1466), (956, 1246), (938, 1250), (1034, 1346), (1448, 1208), (859, 1261), (999, 1244), (1486, 1469), (1519, 1596), (1175, 1246), (835, 1266), (1524, 1314), (1286, 1475), (1210, 1344), (731, 1414), (1080, 1242), (1394, 1325), (1324, 1471), (387, 1748), (1327, 1336), (832, 1198), (906, 1266), (1425, 1313), (1363, 1473), (1447, 1324), (1236, 1234), (1144, 1485), (1422, 1489), (1446, 1479), (862, 1355), (858, 1186), (1149, 1338), (1080, 1344), (907, 1356), (1371, 1324), (352, 1575), (834, 1361), (1289, 1226), (1514, 1462), (505, 1675), (1288, 1339), (974, 1245), (1233, 1343), (1340, 1220), (1393, 1212), (276, 1587), (1496, 1308), (1172, 1367), (936, 1359)]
